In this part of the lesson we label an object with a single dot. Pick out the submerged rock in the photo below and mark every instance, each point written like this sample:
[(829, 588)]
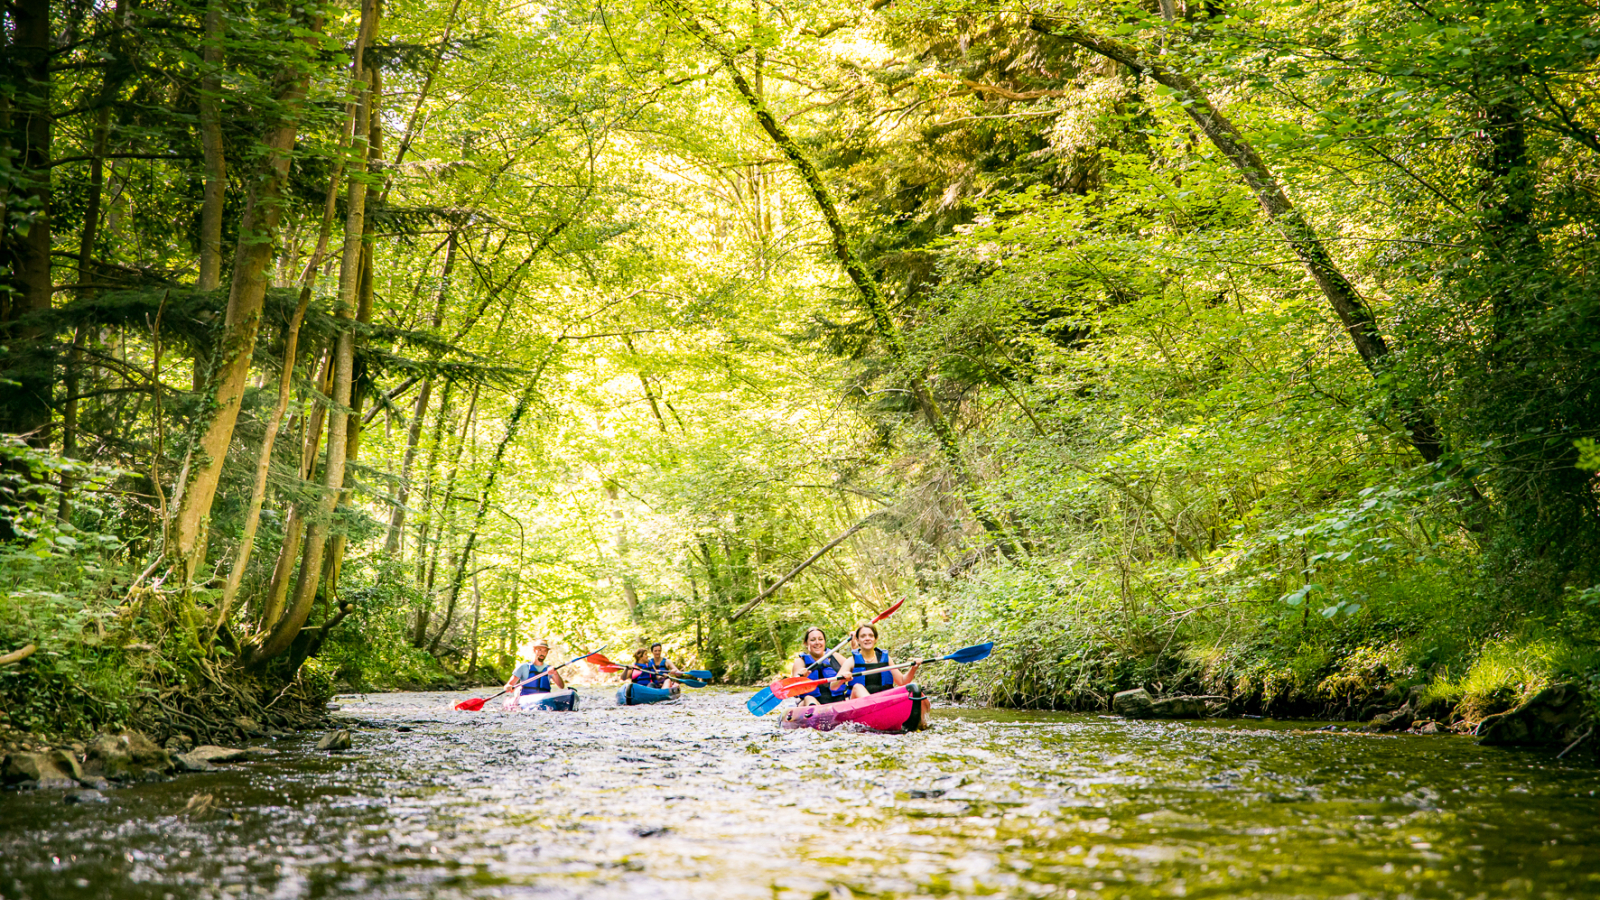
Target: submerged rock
[(128, 756), (1549, 717), (335, 740), (86, 797)]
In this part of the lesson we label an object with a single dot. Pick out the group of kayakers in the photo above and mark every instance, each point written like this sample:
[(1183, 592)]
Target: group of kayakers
[(856, 671), (650, 667)]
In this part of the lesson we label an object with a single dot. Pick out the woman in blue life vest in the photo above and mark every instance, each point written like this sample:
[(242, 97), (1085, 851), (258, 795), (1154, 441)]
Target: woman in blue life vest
[(659, 667), (835, 667), (534, 676), (638, 673), (870, 666)]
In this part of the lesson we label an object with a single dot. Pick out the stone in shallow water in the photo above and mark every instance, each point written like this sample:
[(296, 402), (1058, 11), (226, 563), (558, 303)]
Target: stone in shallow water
[(1134, 704), (128, 756), (335, 740), (86, 797), (39, 770)]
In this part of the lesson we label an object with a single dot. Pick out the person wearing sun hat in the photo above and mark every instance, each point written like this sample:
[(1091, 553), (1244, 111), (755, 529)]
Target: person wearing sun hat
[(534, 675)]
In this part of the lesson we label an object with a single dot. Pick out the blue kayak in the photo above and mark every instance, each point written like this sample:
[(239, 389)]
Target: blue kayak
[(632, 694), (559, 701)]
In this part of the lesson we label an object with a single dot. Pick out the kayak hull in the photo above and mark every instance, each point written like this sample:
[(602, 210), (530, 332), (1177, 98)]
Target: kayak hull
[(895, 710), (555, 701), (632, 694)]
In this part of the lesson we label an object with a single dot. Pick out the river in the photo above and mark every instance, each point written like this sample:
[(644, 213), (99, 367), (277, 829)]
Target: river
[(699, 800)]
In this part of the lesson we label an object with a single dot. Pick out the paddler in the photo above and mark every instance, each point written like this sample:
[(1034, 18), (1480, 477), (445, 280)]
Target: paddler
[(836, 668), (658, 666), (868, 659), (638, 673), (534, 676)]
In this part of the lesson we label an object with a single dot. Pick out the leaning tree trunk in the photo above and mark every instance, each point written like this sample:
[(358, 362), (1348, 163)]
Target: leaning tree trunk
[(319, 524), (1347, 303), (202, 467), (871, 292)]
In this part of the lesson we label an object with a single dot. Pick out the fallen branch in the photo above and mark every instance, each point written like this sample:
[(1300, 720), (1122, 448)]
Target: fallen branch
[(802, 567), (17, 656)]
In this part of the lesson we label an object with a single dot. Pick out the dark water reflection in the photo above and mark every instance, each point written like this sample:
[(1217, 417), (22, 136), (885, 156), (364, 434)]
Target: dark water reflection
[(700, 800)]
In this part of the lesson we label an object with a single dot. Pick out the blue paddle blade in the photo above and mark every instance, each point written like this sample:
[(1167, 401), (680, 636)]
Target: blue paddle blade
[(691, 683), (971, 654), (700, 675), (757, 704), (769, 705)]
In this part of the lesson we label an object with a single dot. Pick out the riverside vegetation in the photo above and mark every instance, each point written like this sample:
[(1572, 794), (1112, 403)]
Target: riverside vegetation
[(1238, 349)]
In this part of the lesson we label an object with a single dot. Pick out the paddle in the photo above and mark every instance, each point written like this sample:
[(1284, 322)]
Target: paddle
[(607, 665), (765, 701), (794, 687), (473, 704)]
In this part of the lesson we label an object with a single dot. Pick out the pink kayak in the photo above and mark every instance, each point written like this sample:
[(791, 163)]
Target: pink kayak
[(896, 709)]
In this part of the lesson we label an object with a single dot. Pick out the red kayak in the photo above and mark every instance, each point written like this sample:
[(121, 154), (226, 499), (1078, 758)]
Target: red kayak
[(896, 709)]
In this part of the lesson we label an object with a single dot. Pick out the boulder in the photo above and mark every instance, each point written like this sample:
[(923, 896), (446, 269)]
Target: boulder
[(1549, 718), (335, 740), (1178, 708), (37, 770), (1427, 728), (86, 797), (1399, 720), (128, 756), (1134, 704)]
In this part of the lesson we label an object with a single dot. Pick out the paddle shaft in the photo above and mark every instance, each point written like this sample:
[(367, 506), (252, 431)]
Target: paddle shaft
[(807, 685), (662, 674)]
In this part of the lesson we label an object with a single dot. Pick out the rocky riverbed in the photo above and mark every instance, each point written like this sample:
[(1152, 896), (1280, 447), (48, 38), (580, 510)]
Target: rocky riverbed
[(698, 799)]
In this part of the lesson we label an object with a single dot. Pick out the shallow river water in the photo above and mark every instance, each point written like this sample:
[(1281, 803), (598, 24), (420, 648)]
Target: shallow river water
[(698, 799)]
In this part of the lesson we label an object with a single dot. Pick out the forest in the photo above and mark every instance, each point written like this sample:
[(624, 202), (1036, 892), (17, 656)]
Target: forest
[(1248, 349)]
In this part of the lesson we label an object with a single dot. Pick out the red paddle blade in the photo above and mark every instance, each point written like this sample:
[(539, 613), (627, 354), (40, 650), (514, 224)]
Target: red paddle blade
[(795, 686), (889, 612), (472, 704), (596, 659)]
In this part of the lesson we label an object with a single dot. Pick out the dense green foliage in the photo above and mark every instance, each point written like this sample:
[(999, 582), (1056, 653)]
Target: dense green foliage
[(1252, 349)]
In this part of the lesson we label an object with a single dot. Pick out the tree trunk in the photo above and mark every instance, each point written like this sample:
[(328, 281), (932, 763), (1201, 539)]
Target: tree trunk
[(319, 525), (202, 468), (26, 232), (258, 491), (1347, 303), (363, 317), (397, 519), (484, 496), (211, 148), (871, 292)]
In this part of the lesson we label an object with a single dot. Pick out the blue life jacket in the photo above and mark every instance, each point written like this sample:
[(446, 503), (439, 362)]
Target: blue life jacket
[(535, 685), (641, 675), (657, 670), (876, 681), (829, 669)]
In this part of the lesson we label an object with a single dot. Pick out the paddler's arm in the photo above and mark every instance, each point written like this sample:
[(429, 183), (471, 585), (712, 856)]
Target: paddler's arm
[(556, 682), (905, 676), (847, 665)]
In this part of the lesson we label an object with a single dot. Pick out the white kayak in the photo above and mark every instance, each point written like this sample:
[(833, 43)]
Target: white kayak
[(553, 700)]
